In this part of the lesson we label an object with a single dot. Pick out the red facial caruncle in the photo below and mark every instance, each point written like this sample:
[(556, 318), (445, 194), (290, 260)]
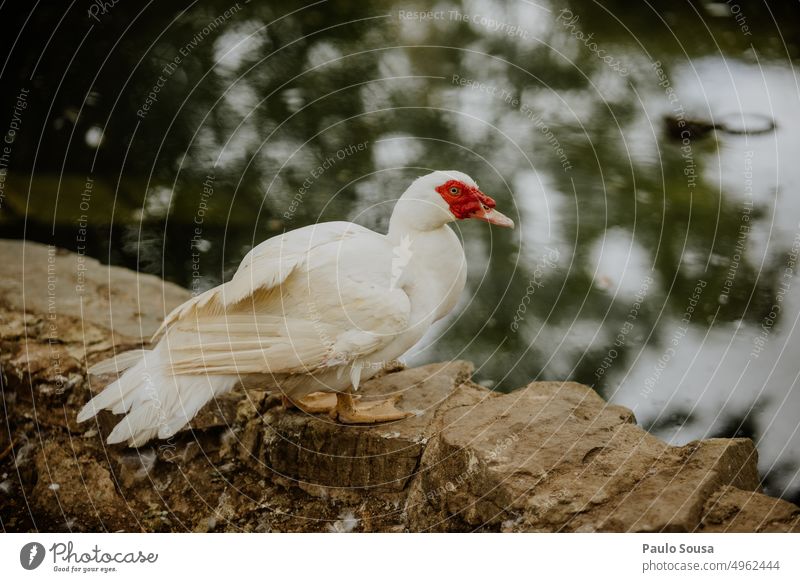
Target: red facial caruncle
[(467, 201)]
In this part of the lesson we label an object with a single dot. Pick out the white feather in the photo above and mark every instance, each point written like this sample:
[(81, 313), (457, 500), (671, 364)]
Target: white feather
[(118, 363)]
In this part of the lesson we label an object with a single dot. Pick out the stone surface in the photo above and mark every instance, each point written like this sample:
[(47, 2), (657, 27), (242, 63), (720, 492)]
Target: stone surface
[(46, 280), (73, 489), (551, 456), (315, 451), (555, 457), (731, 509)]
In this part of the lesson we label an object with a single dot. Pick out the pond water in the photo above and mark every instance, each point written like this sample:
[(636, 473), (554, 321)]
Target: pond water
[(648, 153)]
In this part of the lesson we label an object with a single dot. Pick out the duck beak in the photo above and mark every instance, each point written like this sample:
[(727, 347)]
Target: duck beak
[(493, 216)]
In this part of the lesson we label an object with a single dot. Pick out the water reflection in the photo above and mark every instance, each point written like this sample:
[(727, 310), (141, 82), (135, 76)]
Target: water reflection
[(261, 112)]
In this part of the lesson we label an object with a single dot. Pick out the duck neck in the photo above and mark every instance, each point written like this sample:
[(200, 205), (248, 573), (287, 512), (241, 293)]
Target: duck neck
[(412, 218)]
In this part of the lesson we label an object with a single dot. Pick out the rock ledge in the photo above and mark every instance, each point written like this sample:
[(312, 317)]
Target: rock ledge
[(551, 456)]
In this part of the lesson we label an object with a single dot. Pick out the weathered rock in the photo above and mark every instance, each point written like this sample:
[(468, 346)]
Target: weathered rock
[(552, 456), (76, 491), (49, 281), (549, 457), (731, 509), (555, 456), (315, 451)]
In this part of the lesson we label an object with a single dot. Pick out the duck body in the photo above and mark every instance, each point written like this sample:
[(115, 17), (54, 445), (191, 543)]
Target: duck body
[(319, 309)]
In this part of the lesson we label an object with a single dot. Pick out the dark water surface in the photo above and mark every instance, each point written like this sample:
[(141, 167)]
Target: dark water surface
[(649, 153)]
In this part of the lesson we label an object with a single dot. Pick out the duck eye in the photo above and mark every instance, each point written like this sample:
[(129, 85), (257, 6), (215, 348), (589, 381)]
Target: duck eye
[(455, 190)]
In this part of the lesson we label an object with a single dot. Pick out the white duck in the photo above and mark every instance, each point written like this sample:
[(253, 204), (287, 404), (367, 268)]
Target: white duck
[(315, 310)]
